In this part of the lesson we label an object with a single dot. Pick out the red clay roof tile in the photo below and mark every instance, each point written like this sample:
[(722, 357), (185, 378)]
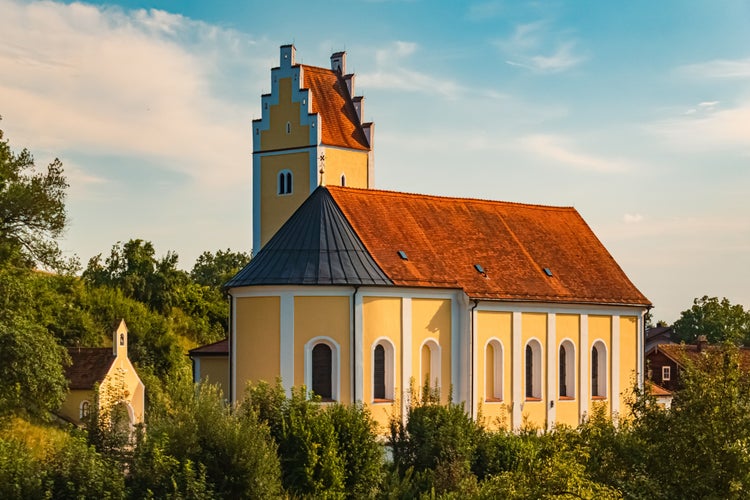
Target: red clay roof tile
[(340, 125), (89, 366), (445, 237)]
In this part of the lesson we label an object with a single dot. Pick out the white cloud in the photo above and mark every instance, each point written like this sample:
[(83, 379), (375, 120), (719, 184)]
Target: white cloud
[(708, 130), (632, 218), (100, 80), (719, 68), (558, 149), (537, 47)]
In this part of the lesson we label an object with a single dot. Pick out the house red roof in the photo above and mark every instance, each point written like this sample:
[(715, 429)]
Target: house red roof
[(340, 125), (89, 366), (216, 349), (682, 353), (656, 389), (444, 238)]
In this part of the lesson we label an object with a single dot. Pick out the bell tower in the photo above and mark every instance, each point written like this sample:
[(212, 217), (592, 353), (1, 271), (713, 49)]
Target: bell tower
[(311, 132)]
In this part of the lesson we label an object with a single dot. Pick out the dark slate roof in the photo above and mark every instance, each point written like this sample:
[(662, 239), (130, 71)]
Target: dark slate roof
[(89, 366), (316, 246), (220, 348)]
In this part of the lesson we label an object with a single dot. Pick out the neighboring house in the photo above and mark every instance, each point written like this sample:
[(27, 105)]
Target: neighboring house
[(515, 310), (211, 364), (658, 335), (109, 370), (665, 362)]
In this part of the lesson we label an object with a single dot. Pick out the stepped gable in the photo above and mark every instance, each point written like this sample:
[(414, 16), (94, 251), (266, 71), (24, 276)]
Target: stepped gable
[(331, 100), (526, 252), (316, 246), (89, 366)]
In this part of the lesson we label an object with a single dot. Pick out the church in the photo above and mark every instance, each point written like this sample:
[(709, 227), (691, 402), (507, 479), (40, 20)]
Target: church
[(517, 311)]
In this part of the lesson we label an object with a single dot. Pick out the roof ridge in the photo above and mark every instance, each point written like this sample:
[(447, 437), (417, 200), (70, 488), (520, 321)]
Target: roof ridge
[(452, 198)]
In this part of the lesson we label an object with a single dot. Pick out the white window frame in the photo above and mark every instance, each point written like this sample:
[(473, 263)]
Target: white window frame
[(288, 178), (335, 364), (83, 403), (390, 367), (497, 370), (601, 369), (666, 373), (570, 368), (536, 368)]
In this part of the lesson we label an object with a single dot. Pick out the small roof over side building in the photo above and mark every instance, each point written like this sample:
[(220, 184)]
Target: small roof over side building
[(220, 348), (89, 366)]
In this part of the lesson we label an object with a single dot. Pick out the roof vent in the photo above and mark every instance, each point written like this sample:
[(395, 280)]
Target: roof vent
[(480, 270), (403, 255), (548, 271)]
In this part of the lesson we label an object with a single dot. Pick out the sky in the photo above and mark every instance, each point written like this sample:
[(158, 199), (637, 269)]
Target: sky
[(636, 113)]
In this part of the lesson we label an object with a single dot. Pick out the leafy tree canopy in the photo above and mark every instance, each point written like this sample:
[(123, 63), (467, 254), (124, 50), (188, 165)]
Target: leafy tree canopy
[(215, 269), (718, 320), (32, 209)]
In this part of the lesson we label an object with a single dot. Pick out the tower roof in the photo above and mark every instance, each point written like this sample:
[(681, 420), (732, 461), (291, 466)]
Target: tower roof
[(490, 249), (340, 123), (316, 246)]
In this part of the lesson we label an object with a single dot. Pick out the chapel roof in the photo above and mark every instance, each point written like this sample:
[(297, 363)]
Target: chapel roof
[(89, 366), (219, 348), (524, 252), (340, 124)]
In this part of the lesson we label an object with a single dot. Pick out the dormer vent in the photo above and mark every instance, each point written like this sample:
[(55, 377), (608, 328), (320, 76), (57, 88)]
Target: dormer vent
[(403, 255), (480, 270), (548, 271)]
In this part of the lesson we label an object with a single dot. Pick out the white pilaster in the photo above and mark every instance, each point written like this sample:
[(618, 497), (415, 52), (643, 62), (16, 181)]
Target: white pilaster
[(359, 347), (286, 342), (406, 365), (517, 362), (551, 370), (474, 355), (616, 390), (639, 364), (456, 375), (585, 375)]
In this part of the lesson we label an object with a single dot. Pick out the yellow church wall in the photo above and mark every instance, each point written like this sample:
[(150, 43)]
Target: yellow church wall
[(494, 325), (123, 368), (628, 357), (215, 370), (382, 318), (534, 326), (600, 328), (322, 316), (351, 163), (71, 407), (568, 326), (276, 209), (257, 340), (431, 319), (286, 111)]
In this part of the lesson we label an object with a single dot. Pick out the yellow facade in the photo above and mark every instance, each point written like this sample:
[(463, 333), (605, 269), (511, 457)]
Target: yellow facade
[(534, 329), (323, 318), (600, 329), (628, 357), (278, 136), (349, 163), (431, 325), (277, 208), (257, 340), (494, 330), (71, 407), (215, 370), (382, 318), (568, 327)]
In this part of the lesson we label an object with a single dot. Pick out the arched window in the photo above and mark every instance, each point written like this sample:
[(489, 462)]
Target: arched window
[(288, 127), (284, 182), (567, 367), (343, 180), (430, 369), (382, 371), (85, 409), (493, 375), (533, 370), (322, 368), (122, 339), (599, 370)]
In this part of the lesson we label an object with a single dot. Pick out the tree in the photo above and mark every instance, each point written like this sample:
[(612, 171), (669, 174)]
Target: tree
[(32, 208), (719, 321), (216, 269)]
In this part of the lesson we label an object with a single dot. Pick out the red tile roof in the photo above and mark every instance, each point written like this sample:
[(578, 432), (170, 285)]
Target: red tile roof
[(89, 366), (216, 349), (340, 125), (681, 353), (444, 238), (656, 389)]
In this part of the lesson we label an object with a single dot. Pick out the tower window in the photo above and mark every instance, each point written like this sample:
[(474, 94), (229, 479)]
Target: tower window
[(285, 182), (288, 127), (343, 180)]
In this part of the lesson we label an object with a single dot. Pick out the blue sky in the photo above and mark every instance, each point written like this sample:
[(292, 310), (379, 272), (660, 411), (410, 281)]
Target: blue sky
[(636, 113)]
